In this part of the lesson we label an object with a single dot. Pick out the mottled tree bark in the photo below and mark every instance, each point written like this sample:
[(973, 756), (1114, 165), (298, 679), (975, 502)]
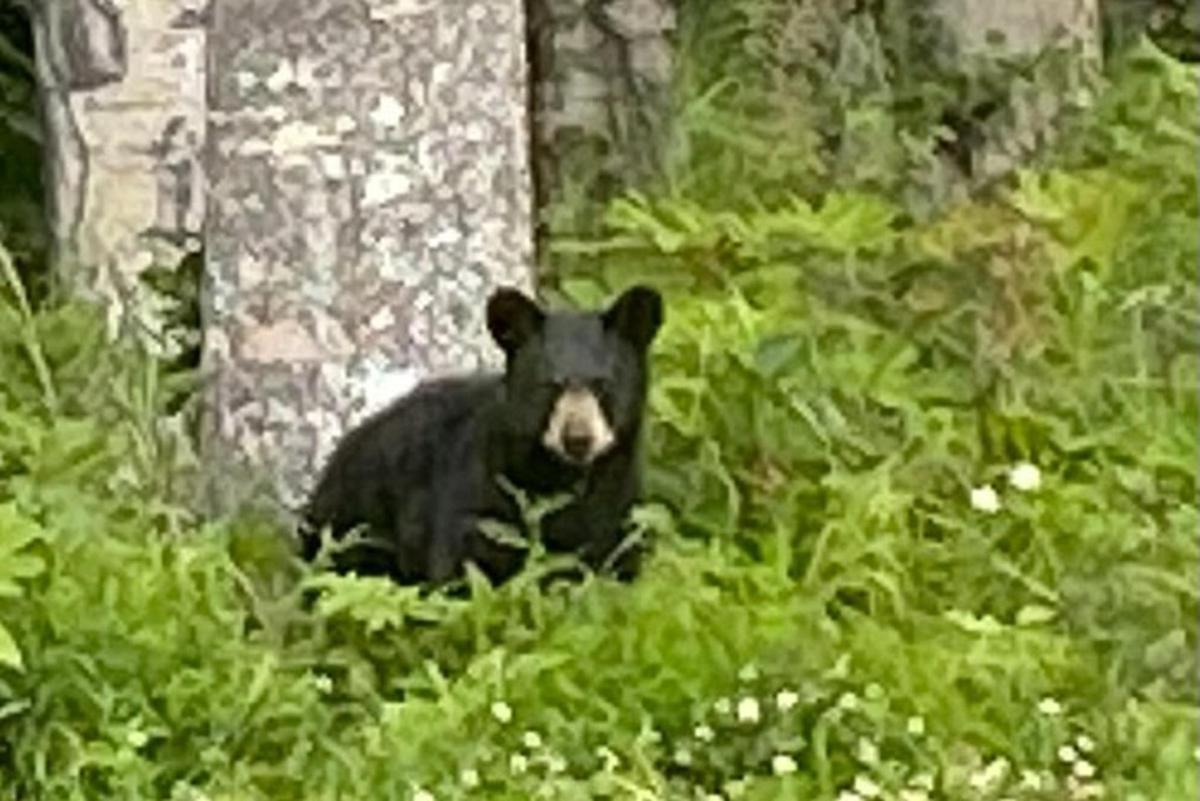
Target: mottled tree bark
[(122, 97), (369, 186), (1026, 30), (601, 95)]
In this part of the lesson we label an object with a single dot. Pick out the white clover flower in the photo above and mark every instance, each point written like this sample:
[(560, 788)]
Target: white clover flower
[(991, 775), (502, 712), (531, 740), (682, 757), (1025, 477), (748, 710), (1068, 753), (555, 763), (916, 725), (1085, 744), (848, 702), (1049, 707), (1030, 780), (865, 787), (704, 733), (422, 795), (469, 778), (1083, 769), (867, 752), (786, 699), (984, 499), (748, 673), (723, 706), (518, 764), (323, 683), (783, 765)]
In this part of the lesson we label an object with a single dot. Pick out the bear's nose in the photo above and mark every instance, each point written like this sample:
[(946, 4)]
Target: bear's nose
[(577, 443)]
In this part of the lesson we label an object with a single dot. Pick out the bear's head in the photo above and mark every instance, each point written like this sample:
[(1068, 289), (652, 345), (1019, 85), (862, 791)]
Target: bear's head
[(575, 381)]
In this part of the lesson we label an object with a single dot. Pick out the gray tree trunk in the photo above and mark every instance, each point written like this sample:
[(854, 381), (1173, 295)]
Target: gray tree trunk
[(122, 94), (368, 168), (601, 96), (1027, 29)]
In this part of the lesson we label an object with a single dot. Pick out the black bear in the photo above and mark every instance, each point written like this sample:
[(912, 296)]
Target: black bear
[(564, 416)]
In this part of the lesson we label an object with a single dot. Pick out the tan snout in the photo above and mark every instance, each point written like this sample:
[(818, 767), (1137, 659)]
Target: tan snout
[(577, 429)]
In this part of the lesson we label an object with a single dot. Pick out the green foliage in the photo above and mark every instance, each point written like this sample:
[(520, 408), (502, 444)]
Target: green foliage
[(924, 497)]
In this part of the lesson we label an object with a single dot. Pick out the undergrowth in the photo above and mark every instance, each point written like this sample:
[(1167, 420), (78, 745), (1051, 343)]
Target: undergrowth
[(924, 499)]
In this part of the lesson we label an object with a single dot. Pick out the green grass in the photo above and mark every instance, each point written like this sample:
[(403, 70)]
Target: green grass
[(826, 615)]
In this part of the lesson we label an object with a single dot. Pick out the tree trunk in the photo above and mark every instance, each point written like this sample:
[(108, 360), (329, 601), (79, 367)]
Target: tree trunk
[(1030, 31), (369, 186), (122, 96), (601, 97)]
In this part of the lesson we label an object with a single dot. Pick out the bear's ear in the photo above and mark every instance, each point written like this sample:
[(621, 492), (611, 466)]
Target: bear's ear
[(636, 315), (512, 318)]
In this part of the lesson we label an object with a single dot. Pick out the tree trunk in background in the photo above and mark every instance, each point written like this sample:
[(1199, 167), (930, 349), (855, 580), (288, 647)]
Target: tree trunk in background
[(122, 91), (368, 166), (601, 97), (1034, 108)]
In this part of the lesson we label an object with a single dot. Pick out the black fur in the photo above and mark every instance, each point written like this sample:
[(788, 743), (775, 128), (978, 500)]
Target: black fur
[(422, 473)]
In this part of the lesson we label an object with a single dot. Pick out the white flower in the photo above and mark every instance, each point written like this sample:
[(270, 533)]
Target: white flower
[(848, 702), (1085, 743), (531, 740), (868, 752), (1049, 707), (865, 787), (1025, 477), (786, 699), (913, 795), (422, 795), (783, 765), (136, 738), (469, 778), (323, 683), (1068, 754), (518, 764), (704, 733), (916, 726), (1083, 769), (991, 775), (555, 763), (682, 757), (985, 499), (722, 706), (747, 710), (502, 712), (748, 673), (1030, 780)]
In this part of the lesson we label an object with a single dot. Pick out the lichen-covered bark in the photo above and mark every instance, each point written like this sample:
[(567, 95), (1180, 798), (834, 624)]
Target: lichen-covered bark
[(601, 96), (122, 91), (369, 186), (1036, 103)]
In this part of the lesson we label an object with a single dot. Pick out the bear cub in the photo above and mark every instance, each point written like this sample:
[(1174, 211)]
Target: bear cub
[(564, 416)]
